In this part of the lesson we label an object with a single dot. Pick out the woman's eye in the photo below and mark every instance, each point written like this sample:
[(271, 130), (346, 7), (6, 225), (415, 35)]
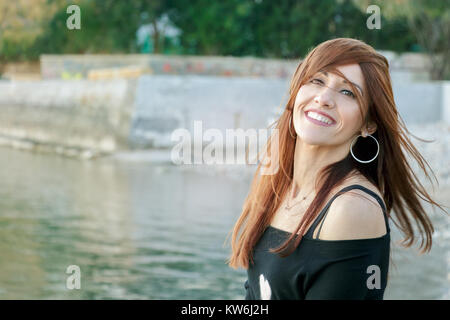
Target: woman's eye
[(349, 93), (317, 81)]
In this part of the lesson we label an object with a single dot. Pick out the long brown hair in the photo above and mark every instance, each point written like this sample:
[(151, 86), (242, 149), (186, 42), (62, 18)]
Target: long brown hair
[(390, 172)]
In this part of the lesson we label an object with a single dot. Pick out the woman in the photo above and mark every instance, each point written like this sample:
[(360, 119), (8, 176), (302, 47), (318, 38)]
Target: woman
[(341, 158)]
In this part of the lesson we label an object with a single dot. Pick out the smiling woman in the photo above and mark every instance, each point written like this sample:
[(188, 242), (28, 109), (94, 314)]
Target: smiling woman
[(340, 92), (329, 101)]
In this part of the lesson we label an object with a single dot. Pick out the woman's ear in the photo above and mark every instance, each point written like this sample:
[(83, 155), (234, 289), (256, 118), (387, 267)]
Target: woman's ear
[(369, 128)]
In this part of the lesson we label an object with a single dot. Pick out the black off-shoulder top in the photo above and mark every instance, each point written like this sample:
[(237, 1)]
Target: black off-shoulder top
[(320, 269)]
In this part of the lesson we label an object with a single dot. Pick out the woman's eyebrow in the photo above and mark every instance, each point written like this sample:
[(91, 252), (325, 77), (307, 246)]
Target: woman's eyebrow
[(345, 81)]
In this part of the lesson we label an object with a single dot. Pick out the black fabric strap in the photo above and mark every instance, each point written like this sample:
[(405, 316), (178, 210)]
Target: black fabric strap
[(322, 214)]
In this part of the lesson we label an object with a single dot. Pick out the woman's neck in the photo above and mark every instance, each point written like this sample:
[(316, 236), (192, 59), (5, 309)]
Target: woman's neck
[(309, 160)]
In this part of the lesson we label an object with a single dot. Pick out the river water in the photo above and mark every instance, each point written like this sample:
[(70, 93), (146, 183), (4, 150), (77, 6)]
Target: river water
[(148, 231)]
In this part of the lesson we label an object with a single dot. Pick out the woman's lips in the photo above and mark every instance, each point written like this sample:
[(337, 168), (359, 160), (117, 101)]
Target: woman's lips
[(319, 118)]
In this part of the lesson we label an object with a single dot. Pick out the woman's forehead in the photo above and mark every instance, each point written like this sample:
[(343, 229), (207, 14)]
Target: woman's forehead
[(352, 72)]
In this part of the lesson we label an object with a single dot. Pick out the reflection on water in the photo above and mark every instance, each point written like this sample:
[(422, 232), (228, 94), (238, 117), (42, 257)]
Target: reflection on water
[(141, 231)]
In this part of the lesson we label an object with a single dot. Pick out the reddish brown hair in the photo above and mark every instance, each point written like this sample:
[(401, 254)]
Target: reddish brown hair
[(390, 172)]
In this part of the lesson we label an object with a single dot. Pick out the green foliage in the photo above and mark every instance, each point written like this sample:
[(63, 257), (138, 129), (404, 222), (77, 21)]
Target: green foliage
[(281, 28), (262, 28), (107, 26)]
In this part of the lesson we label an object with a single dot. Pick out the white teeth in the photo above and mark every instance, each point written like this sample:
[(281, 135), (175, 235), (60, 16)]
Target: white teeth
[(319, 117)]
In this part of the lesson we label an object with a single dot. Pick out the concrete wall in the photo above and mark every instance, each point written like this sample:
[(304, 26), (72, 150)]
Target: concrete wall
[(66, 116), (408, 67), (164, 103), (446, 102), (403, 67), (82, 66), (105, 116), (420, 102)]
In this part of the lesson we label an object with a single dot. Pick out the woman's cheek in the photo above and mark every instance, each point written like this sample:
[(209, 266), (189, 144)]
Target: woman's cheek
[(302, 96), (352, 121), (298, 98)]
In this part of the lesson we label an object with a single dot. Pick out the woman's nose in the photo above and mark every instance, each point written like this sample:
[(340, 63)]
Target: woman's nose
[(325, 97)]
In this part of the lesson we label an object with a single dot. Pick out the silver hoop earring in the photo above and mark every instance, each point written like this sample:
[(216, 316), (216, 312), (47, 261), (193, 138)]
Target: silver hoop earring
[(362, 161), (290, 120)]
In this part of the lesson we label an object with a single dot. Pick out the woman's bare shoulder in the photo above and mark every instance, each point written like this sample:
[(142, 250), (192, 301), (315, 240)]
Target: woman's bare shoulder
[(354, 214), (362, 181)]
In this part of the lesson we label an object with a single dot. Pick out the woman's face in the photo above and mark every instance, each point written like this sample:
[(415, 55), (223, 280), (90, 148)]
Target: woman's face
[(332, 117)]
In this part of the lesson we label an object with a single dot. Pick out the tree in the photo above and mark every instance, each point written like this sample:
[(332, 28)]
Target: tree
[(278, 28), (213, 27), (20, 25), (262, 28), (151, 11), (429, 21), (107, 26)]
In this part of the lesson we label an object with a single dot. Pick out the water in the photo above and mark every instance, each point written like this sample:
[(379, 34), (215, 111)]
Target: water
[(141, 231)]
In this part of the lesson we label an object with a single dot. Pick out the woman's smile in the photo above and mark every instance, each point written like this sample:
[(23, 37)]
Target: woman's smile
[(320, 118)]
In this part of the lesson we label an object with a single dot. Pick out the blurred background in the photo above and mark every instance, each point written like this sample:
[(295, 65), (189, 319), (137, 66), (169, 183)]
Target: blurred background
[(90, 97)]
